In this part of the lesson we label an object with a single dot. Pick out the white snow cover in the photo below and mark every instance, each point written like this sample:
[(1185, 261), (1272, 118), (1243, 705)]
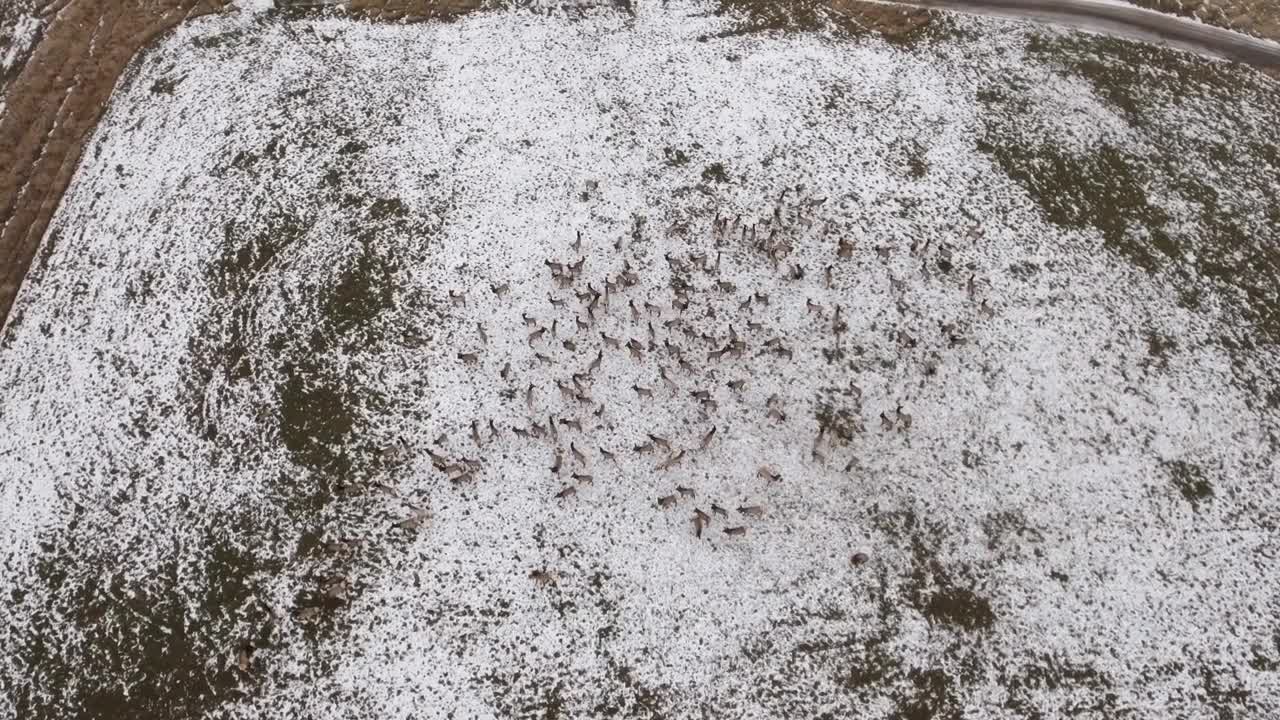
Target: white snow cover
[(19, 37), (256, 5), (241, 351)]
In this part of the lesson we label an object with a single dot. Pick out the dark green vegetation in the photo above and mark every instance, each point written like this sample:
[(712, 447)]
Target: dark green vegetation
[(552, 692), (142, 632), (865, 659), (1223, 166), (303, 398), (897, 24), (1190, 482), (869, 665), (762, 15), (715, 172), (162, 635)]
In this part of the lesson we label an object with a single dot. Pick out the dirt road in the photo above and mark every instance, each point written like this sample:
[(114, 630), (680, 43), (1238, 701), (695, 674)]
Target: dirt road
[(53, 104)]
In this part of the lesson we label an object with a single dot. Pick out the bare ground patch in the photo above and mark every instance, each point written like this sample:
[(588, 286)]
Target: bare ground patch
[(1260, 18)]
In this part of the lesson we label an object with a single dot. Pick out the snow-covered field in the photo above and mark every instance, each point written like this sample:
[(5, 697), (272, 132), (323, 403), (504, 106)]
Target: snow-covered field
[(921, 380)]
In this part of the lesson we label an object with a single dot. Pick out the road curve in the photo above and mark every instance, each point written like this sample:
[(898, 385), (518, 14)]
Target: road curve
[(1118, 18)]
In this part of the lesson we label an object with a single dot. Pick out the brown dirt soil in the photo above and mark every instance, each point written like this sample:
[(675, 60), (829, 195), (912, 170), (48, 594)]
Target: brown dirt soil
[(1260, 18), (412, 10), (889, 20), (894, 21)]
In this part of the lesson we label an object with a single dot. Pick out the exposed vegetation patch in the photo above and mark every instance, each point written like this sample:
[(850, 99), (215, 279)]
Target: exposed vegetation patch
[(899, 24), (152, 650), (215, 40), (715, 172), (401, 381), (165, 86), (1161, 192), (1190, 482), (1103, 189), (1071, 687), (762, 15), (675, 157), (193, 626), (941, 594)]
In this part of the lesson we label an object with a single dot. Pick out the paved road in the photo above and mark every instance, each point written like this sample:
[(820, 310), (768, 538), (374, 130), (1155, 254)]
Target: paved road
[(1118, 18)]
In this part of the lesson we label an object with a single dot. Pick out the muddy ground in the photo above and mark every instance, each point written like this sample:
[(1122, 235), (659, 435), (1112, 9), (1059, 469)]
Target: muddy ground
[(1255, 17)]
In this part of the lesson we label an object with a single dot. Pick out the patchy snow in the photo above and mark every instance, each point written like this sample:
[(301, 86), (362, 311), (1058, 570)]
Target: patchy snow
[(19, 37), (1076, 118), (256, 6), (248, 340)]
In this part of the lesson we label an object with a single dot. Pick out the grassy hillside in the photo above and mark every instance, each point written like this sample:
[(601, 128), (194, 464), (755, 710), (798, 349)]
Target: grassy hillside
[(923, 377)]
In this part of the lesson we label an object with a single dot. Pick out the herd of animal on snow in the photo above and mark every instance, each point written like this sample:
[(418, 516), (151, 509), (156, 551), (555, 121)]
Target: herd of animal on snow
[(701, 341), (675, 336)]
